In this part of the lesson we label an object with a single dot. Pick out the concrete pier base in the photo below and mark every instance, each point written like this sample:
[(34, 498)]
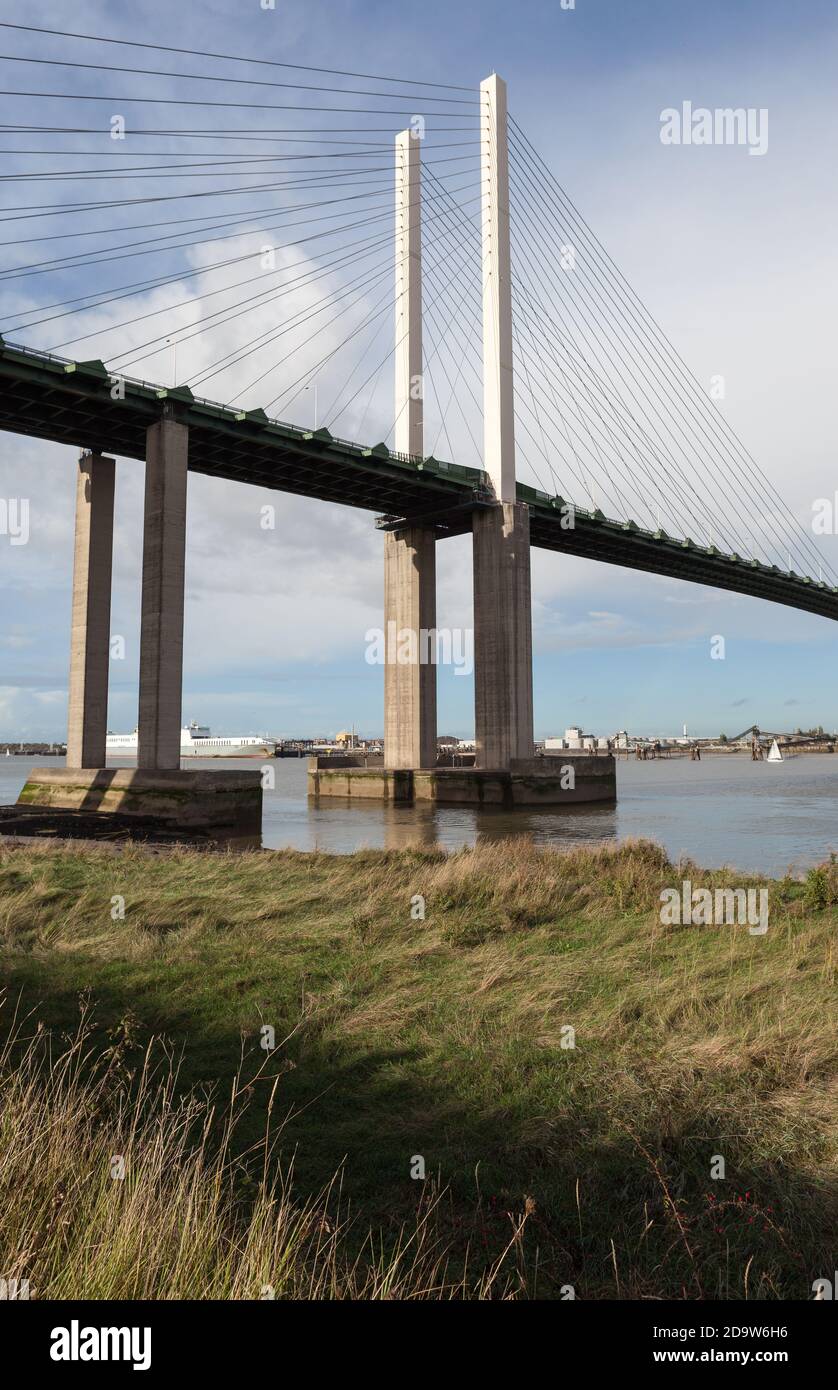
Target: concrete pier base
[(227, 804), (530, 782)]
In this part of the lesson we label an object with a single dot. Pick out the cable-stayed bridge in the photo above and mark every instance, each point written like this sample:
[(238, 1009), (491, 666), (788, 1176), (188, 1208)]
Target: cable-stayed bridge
[(223, 227)]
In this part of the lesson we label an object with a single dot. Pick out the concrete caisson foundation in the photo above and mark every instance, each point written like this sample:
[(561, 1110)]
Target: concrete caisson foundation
[(227, 803), (527, 782)]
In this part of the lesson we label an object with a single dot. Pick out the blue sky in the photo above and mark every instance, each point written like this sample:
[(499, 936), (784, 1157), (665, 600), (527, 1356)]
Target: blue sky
[(734, 255)]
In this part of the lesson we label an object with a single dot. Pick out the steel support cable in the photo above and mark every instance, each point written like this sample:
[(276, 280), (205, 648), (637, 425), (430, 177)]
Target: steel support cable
[(155, 282), (644, 423), (427, 367), (358, 147), (232, 219), (276, 331), (428, 373), (447, 329), (291, 179), (120, 99), (207, 167), (474, 235), (591, 478), (369, 243), (593, 386), (439, 194), (761, 543), (363, 281), (561, 490), (262, 135), (378, 329), (352, 251), (571, 445), (545, 452), (317, 270), (74, 261), (454, 396), (596, 465), (204, 376), (638, 505), (619, 279), (216, 78), (464, 336), (330, 410), (472, 229), (389, 354), (229, 220), (568, 371), (382, 305), (520, 355), (718, 421), (385, 239), (651, 457), (229, 57)]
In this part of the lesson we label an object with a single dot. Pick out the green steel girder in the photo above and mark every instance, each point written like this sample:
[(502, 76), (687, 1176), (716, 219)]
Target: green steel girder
[(71, 403)]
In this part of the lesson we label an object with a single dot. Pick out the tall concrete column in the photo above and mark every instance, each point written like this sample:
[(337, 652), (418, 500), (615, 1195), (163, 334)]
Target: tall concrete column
[(502, 635), (87, 719), (503, 716), (409, 674), (164, 563), (409, 555)]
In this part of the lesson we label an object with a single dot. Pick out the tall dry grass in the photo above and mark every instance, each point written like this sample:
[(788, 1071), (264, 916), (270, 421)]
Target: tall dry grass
[(442, 1036), (113, 1187)]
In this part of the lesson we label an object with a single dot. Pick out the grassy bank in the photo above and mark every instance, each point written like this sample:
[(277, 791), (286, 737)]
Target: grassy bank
[(399, 1039)]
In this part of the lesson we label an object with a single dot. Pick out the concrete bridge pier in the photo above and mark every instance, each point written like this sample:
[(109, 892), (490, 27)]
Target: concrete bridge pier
[(503, 711), (506, 771), (87, 718), (223, 806), (164, 567), (410, 629)]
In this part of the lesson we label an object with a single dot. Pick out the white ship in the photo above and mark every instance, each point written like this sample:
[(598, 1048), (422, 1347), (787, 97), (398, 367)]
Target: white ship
[(197, 741)]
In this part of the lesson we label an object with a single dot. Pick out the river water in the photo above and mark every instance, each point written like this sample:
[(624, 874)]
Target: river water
[(766, 817)]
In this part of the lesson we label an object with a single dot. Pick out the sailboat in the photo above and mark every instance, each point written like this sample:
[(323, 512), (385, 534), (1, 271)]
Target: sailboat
[(774, 754)]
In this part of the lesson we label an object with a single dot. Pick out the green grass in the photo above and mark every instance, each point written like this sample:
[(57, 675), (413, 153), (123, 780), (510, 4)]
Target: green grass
[(443, 1038)]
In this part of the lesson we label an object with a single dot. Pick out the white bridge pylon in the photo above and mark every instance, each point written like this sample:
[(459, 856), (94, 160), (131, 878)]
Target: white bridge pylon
[(500, 533)]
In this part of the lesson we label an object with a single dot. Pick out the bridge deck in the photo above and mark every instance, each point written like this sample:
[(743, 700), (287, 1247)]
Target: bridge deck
[(71, 403)]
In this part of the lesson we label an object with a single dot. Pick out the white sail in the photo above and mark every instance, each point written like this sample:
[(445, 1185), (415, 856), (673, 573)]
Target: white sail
[(774, 754)]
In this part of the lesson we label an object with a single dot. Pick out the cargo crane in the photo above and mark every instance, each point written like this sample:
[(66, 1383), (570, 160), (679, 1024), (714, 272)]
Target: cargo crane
[(760, 736)]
